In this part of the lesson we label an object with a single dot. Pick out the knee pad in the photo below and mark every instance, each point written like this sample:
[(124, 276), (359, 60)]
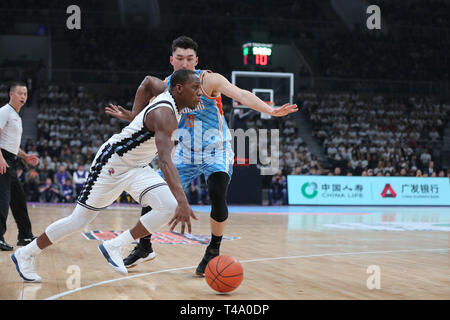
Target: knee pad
[(219, 211), (217, 189), (163, 205), (160, 198), (61, 228)]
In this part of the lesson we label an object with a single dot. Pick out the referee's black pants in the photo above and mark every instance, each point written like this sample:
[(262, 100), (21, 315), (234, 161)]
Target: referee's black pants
[(12, 194)]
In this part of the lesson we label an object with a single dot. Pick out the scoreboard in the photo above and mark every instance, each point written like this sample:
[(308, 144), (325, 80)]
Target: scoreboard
[(257, 54)]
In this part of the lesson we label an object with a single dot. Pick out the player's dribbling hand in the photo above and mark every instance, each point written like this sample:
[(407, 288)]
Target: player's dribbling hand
[(183, 213), (284, 110), (3, 166), (118, 112)]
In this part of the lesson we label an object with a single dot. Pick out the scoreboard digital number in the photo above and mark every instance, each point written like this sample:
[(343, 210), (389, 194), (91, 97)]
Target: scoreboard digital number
[(257, 54)]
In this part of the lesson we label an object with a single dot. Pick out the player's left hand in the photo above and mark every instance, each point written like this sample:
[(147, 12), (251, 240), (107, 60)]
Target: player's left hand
[(32, 160), (119, 112), (284, 110), (183, 213)]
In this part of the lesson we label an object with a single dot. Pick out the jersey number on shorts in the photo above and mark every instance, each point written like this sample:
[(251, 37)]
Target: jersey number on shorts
[(190, 121)]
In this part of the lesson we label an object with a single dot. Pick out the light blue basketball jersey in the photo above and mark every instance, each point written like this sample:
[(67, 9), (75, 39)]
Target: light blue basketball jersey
[(204, 129), (204, 139)]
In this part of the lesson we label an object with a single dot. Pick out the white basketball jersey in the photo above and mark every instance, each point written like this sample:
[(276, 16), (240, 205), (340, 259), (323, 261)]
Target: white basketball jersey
[(135, 144)]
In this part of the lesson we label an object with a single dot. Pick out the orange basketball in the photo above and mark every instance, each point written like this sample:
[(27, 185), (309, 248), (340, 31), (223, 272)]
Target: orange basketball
[(224, 273)]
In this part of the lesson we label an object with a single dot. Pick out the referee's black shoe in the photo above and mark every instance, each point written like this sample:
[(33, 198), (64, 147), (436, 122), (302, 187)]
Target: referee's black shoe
[(25, 241), (4, 246), (209, 254), (139, 255)]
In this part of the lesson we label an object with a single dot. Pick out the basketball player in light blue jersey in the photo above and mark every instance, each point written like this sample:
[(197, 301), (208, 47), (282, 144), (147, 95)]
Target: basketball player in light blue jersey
[(204, 140)]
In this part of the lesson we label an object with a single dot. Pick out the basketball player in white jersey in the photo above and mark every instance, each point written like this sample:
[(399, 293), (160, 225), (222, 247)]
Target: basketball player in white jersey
[(122, 164)]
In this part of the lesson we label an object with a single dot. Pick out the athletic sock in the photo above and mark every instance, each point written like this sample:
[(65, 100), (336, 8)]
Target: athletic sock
[(215, 242), (31, 249), (146, 243), (123, 239)]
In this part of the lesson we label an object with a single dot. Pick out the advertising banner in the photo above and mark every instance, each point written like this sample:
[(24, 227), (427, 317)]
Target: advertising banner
[(344, 190)]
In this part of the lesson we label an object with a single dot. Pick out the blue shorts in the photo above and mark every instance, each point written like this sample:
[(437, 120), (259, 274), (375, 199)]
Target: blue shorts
[(191, 165)]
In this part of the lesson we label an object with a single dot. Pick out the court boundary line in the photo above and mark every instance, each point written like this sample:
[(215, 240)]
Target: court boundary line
[(331, 254)]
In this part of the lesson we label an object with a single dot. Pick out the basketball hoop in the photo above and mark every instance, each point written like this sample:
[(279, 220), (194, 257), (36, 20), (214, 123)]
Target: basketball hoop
[(267, 86)]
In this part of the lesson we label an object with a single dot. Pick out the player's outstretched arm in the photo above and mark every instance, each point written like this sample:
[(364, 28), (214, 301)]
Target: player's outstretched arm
[(149, 88), (216, 84), (163, 122)]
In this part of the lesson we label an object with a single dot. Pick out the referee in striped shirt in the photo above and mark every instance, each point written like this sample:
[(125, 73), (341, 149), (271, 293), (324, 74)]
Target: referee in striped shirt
[(11, 192)]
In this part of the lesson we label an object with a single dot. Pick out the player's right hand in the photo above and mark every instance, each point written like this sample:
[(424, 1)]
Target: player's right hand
[(284, 110), (3, 166), (183, 213), (118, 112)]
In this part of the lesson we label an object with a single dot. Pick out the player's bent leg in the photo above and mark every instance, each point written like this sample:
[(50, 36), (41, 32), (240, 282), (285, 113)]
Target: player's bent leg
[(217, 187), (145, 242), (143, 251), (77, 221), (23, 258), (163, 204)]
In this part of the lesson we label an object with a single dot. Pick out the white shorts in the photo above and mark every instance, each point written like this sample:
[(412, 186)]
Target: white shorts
[(109, 177)]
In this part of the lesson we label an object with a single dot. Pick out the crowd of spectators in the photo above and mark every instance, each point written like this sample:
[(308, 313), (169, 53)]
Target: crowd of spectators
[(366, 136), (369, 135), (388, 136), (42, 184), (71, 126)]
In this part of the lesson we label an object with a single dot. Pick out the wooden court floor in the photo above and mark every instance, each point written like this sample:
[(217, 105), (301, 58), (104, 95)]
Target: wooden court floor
[(288, 253)]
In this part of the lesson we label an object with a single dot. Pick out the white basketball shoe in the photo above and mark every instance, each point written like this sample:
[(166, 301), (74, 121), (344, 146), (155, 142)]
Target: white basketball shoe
[(25, 266), (113, 254)]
